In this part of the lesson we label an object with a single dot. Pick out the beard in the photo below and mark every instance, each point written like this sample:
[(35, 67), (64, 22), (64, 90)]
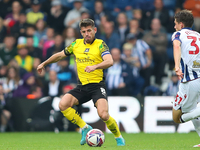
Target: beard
[(88, 40)]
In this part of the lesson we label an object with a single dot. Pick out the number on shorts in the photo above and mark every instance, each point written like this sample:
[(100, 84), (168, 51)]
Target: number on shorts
[(179, 101)]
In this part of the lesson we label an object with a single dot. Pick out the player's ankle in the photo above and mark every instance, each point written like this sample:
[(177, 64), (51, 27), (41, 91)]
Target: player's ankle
[(86, 126), (119, 136)]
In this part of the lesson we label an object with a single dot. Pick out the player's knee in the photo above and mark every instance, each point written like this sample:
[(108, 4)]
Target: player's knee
[(104, 115), (67, 101), (62, 106), (176, 114), (176, 119)]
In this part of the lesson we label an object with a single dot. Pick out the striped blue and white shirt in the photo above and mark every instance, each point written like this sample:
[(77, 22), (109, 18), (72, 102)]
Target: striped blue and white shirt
[(190, 56), (139, 50), (114, 77)]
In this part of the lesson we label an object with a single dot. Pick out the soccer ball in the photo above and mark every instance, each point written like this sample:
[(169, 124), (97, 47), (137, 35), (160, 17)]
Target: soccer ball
[(95, 138)]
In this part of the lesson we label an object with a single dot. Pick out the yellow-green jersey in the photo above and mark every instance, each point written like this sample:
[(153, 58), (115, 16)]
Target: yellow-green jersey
[(88, 55)]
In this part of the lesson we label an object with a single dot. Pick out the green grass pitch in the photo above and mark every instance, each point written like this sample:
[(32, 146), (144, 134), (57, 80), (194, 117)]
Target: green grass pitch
[(70, 141)]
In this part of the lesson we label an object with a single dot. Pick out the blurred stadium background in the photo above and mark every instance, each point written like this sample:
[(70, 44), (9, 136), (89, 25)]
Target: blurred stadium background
[(32, 30)]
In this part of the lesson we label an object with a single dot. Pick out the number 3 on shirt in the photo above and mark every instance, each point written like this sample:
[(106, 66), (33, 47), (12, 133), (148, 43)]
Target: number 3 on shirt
[(193, 43)]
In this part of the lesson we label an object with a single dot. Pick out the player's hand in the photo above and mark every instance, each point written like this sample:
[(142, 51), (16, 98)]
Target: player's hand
[(40, 68), (179, 73), (90, 69)]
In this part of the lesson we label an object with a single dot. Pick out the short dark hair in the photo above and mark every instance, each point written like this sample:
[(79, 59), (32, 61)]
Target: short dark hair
[(186, 17), (86, 23), (98, 1)]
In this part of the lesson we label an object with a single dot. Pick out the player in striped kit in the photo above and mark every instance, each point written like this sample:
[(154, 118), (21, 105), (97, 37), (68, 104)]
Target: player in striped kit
[(186, 45)]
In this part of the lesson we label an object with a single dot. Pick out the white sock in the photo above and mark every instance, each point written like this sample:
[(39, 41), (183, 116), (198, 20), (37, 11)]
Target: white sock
[(191, 115), (196, 123), (86, 126)]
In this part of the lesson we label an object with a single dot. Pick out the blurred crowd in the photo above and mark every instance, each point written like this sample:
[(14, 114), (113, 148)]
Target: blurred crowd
[(137, 32)]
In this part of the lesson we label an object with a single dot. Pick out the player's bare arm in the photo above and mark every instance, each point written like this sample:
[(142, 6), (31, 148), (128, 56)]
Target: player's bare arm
[(107, 62), (177, 58), (54, 58)]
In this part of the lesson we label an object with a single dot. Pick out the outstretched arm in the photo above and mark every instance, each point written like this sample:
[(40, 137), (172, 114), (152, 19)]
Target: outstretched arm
[(107, 62), (54, 58)]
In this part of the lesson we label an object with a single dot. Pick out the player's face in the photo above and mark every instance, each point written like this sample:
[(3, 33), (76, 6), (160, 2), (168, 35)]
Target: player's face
[(88, 33), (178, 26)]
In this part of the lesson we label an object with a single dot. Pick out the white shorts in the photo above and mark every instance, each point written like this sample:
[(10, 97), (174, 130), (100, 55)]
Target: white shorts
[(188, 96)]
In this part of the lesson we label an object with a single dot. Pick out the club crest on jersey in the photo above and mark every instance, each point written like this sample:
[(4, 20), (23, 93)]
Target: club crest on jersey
[(86, 50), (103, 91)]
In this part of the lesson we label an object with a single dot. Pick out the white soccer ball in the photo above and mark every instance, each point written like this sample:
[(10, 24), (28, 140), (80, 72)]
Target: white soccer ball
[(95, 138)]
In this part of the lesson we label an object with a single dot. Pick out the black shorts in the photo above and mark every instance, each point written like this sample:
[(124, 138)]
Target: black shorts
[(85, 93)]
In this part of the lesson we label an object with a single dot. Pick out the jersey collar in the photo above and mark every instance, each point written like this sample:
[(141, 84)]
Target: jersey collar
[(90, 43), (187, 28)]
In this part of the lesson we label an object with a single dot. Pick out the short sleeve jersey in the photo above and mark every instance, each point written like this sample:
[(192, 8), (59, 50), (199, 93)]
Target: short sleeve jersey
[(190, 54), (88, 55)]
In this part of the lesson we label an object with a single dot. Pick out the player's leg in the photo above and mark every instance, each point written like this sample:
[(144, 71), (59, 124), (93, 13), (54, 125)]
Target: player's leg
[(191, 115), (178, 117), (187, 99), (176, 114), (102, 109), (196, 123), (66, 104), (70, 113), (186, 102)]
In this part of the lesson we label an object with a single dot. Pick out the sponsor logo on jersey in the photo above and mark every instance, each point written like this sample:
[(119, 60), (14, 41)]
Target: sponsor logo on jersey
[(86, 50), (85, 60), (196, 64)]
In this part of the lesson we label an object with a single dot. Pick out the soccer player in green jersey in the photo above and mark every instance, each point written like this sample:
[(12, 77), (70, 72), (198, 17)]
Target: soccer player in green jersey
[(92, 56)]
